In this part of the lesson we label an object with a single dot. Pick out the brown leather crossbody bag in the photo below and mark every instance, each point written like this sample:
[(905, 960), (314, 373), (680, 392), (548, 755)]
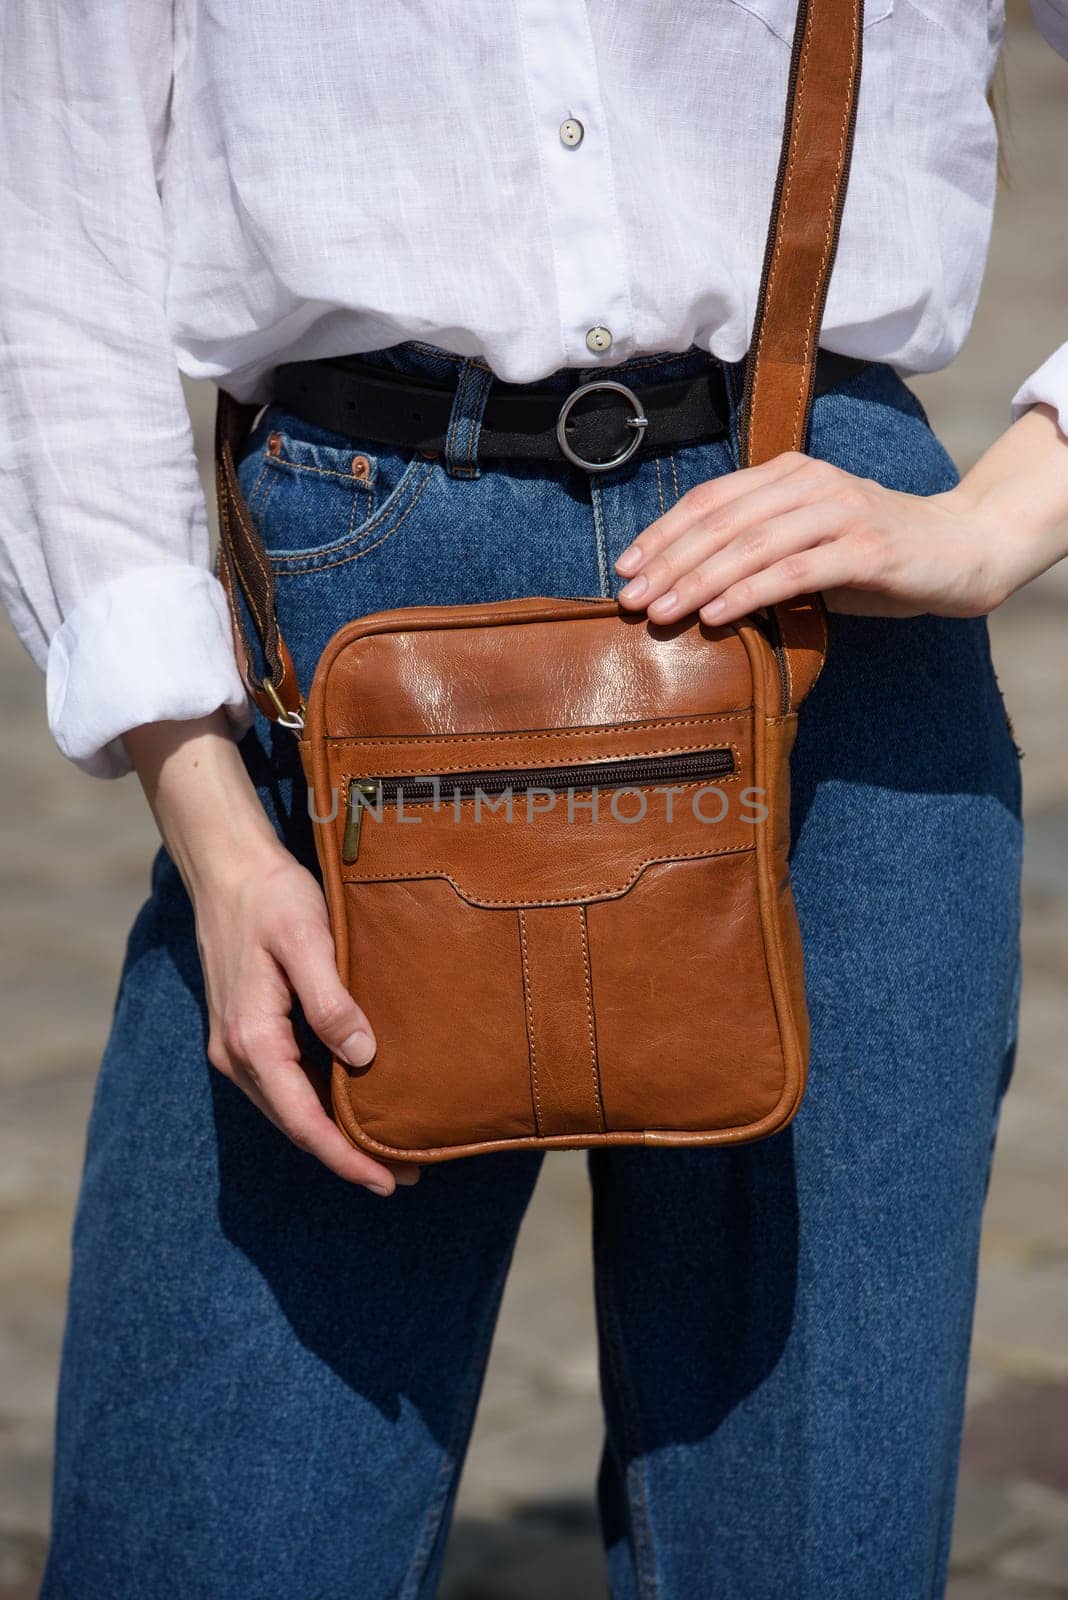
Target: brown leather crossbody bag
[(557, 872)]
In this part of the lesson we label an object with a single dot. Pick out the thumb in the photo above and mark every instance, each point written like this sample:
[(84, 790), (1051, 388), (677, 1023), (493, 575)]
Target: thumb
[(306, 953)]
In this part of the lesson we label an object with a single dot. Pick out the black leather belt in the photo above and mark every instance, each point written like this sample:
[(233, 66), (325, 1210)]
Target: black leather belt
[(597, 425)]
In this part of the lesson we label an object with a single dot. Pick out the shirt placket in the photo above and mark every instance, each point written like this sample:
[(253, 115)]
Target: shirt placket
[(596, 319)]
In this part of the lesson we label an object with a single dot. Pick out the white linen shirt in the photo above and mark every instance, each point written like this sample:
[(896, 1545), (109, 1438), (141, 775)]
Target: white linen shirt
[(221, 185)]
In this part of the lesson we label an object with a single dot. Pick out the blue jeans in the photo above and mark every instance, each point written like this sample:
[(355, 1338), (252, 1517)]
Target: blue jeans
[(269, 1376)]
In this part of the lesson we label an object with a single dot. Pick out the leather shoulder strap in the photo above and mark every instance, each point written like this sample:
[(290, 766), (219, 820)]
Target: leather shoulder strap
[(246, 572), (806, 215)]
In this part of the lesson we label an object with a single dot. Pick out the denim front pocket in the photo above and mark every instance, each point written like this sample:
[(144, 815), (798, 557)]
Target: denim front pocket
[(320, 498)]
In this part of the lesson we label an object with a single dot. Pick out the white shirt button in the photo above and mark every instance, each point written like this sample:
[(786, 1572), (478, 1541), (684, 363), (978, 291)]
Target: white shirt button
[(571, 132), (599, 340)]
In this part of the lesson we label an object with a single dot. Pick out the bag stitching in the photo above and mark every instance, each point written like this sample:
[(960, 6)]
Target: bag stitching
[(234, 489), (228, 501), (594, 1061), (777, 253), (577, 898), (843, 134), (629, 755), (338, 741), (576, 788), (528, 998)]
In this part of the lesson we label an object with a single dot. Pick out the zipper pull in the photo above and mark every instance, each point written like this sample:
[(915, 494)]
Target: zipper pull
[(350, 844)]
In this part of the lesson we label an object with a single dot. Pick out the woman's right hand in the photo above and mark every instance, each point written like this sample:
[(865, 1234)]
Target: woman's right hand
[(264, 938)]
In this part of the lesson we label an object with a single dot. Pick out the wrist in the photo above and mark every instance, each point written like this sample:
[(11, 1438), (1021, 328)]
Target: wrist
[(1014, 503), (208, 812), (993, 559), (236, 847)]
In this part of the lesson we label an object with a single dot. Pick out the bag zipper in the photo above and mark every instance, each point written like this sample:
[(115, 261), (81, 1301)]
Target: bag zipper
[(611, 773), (775, 639)]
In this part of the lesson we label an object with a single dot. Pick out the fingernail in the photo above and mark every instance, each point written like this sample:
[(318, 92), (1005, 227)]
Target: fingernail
[(379, 1188), (630, 560), (357, 1049), (714, 608), (665, 604), (635, 588)]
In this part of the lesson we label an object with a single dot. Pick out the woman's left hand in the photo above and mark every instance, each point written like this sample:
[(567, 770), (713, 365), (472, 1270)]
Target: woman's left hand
[(795, 525)]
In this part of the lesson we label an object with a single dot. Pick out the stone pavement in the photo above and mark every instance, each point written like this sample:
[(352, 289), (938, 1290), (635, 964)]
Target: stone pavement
[(73, 863)]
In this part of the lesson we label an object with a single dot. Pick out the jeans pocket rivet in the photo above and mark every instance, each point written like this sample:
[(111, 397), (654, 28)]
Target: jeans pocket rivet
[(361, 468), (274, 444)]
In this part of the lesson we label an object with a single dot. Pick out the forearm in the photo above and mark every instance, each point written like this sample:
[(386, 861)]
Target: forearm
[(204, 803), (1019, 490)]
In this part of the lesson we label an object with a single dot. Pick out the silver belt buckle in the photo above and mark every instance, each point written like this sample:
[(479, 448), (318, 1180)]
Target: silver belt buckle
[(639, 422)]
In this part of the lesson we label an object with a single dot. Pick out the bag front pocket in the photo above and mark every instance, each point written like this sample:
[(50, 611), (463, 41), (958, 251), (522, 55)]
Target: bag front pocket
[(651, 1010), (543, 818), (587, 900), (534, 786), (319, 498)]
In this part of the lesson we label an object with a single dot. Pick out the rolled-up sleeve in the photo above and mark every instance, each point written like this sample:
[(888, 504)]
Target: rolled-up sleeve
[(1049, 382), (104, 551)]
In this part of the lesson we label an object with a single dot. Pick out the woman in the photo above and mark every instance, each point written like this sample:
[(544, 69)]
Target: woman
[(269, 1377)]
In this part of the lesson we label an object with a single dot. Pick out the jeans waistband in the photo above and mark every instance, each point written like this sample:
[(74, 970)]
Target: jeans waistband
[(471, 381), (423, 396), (438, 364)]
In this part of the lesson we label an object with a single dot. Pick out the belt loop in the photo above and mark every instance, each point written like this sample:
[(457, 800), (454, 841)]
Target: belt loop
[(465, 419)]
